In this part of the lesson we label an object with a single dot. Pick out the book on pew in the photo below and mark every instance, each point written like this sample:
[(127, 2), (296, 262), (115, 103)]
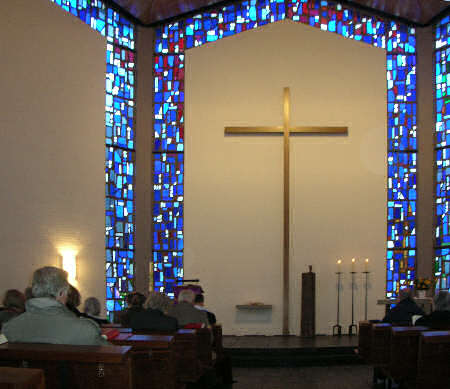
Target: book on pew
[(3, 339), (110, 333)]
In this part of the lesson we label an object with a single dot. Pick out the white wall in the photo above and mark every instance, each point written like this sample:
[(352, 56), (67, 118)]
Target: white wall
[(52, 144), (233, 199)]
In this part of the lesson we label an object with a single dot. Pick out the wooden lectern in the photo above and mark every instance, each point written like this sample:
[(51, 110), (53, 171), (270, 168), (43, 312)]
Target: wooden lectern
[(308, 321)]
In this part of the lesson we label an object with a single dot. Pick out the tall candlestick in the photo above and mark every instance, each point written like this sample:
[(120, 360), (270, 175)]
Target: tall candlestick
[(366, 265), (353, 265), (339, 265)]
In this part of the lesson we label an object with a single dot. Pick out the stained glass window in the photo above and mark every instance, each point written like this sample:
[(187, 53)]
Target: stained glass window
[(174, 38), (442, 234), (119, 140)]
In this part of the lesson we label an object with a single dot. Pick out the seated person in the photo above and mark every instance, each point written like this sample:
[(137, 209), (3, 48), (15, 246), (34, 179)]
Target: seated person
[(200, 304), (439, 319), (153, 317), (47, 319), (92, 311), (135, 303), (73, 300), (14, 305), (28, 293), (185, 312), (403, 312)]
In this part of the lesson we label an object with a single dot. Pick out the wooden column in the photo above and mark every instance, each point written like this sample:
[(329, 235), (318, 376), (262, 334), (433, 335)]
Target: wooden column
[(308, 323)]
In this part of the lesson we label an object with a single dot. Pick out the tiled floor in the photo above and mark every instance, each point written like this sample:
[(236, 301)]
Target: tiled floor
[(334, 377)]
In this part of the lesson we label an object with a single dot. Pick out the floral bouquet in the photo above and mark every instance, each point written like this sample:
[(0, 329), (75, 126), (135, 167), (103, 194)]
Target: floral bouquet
[(423, 283)]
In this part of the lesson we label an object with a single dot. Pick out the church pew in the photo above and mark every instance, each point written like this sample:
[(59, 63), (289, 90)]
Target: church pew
[(154, 359), (204, 344), (73, 367), (21, 378), (188, 353), (433, 361), (364, 339), (217, 340), (404, 349), (379, 344), (188, 365)]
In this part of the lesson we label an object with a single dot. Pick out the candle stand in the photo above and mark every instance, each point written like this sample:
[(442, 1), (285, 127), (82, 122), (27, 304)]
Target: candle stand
[(366, 292), (352, 328), (337, 328)]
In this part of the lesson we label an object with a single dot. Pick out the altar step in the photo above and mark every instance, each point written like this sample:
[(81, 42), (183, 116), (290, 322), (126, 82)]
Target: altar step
[(291, 351)]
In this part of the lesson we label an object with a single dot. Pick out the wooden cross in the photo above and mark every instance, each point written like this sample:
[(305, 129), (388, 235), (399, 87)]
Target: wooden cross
[(286, 131)]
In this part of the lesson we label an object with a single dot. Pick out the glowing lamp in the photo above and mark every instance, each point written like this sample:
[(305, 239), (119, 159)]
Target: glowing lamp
[(69, 264)]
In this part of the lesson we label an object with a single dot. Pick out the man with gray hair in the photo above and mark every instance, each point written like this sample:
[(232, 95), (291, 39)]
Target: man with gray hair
[(185, 312), (47, 319)]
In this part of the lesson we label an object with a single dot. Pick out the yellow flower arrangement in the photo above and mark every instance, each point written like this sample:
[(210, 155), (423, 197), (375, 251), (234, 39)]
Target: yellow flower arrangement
[(423, 283)]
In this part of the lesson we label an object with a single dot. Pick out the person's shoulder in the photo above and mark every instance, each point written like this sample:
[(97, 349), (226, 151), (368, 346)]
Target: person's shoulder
[(86, 324)]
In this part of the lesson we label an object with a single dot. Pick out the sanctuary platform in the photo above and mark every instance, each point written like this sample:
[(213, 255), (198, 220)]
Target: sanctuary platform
[(291, 351)]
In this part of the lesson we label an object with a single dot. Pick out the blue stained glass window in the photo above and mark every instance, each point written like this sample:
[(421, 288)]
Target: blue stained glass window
[(442, 153), (119, 139), (400, 44)]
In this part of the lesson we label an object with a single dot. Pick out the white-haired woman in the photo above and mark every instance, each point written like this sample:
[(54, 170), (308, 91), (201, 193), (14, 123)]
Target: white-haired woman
[(92, 310)]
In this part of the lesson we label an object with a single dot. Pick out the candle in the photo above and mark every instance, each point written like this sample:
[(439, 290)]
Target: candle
[(339, 265), (353, 264), (366, 265)]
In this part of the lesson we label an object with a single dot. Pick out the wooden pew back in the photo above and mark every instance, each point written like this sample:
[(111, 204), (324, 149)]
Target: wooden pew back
[(404, 349), (204, 344), (193, 352), (434, 360), (21, 378), (364, 339), (73, 367), (379, 345), (154, 359)]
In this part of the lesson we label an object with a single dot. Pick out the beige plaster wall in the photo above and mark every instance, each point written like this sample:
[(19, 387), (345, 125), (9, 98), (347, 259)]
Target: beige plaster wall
[(52, 144), (233, 198)]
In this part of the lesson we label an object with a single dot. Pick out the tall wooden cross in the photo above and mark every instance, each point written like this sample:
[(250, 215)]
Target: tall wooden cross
[(286, 131)]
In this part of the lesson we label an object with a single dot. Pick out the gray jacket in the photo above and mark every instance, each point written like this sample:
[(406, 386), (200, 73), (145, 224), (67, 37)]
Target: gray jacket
[(48, 321), (186, 313)]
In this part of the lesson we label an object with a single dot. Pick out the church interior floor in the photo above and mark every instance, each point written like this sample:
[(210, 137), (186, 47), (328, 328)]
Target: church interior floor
[(336, 377), (291, 351), (268, 342)]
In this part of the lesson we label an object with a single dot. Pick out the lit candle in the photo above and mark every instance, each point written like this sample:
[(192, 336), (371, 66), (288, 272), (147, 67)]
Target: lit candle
[(339, 265), (366, 265), (353, 264)]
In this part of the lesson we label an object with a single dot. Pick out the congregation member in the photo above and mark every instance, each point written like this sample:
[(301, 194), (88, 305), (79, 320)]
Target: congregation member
[(439, 319), (13, 305), (73, 300), (135, 302), (153, 317), (92, 309), (185, 312), (47, 318), (200, 304), (28, 293), (403, 312)]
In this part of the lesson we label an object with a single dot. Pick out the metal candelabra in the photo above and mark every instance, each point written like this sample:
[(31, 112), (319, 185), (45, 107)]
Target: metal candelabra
[(337, 328), (352, 328), (366, 292)]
